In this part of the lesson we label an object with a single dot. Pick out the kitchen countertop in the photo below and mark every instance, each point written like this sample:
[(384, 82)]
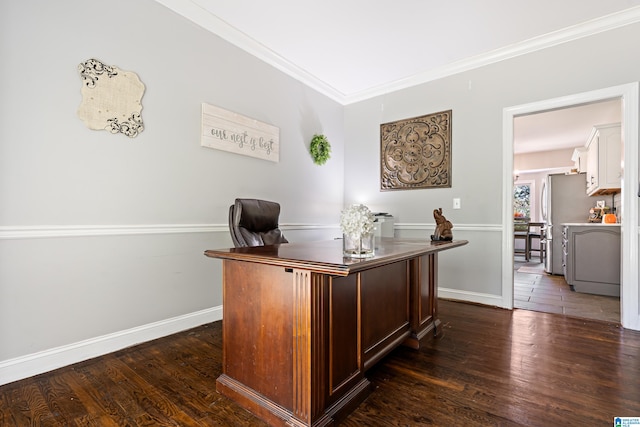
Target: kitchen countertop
[(590, 224)]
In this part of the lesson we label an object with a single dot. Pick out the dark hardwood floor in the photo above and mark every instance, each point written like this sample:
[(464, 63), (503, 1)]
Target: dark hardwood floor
[(487, 367)]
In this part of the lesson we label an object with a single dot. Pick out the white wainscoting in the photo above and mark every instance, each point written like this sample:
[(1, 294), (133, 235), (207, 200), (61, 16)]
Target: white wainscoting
[(78, 247), (452, 283)]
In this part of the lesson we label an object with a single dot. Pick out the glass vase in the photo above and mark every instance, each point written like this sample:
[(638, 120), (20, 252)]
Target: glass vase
[(358, 247)]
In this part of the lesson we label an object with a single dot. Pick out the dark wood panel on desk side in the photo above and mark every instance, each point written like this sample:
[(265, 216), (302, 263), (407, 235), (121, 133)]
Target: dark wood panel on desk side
[(257, 311), (385, 309), (424, 309), (345, 364), (317, 316)]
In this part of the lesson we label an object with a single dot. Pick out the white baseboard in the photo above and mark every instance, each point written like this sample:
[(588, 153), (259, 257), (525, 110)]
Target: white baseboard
[(467, 296), (48, 360)]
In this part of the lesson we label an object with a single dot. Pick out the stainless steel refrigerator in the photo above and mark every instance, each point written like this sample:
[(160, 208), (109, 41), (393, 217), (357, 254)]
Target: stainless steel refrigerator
[(564, 200)]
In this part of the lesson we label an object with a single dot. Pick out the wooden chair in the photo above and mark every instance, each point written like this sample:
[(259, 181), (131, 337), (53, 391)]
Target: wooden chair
[(537, 232), (521, 232)]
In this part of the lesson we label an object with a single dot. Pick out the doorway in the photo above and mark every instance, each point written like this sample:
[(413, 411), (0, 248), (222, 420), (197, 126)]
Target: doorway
[(553, 143), (630, 314)]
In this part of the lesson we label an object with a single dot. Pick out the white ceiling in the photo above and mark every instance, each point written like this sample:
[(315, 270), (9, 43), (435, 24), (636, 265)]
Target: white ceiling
[(565, 128), (352, 50)]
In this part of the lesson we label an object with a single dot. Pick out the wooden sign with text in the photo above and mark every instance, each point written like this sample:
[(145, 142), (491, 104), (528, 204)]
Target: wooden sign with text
[(229, 131)]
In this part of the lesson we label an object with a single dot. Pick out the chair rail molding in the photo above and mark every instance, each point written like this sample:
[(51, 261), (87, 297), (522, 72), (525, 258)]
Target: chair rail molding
[(47, 231), (55, 231), (460, 227)]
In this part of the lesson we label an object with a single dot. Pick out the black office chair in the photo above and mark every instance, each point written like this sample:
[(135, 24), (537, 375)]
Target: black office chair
[(254, 222)]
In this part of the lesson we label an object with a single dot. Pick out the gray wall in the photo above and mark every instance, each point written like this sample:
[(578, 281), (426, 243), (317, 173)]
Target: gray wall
[(477, 98), (101, 234)]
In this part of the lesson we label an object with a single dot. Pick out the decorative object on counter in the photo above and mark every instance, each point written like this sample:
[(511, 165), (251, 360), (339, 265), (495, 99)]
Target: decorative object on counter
[(416, 153), (228, 131), (320, 149), (111, 98), (443, 227), (598, 213), (595, 215), (356, 223), (609, 218)]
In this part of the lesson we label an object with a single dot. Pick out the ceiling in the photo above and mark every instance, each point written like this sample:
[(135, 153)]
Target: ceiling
[(352, 50), (565, 128)]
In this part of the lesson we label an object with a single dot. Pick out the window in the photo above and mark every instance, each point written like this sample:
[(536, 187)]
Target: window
[(522, 200)]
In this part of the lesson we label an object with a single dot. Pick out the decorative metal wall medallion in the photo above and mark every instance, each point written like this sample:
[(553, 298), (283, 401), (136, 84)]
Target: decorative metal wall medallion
[(416, 153), (111, 98)]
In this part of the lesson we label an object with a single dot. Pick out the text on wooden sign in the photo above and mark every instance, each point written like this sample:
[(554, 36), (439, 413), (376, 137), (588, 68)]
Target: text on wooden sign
[(233, 132)]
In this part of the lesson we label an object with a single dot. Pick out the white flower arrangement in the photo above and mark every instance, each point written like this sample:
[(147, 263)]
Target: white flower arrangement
[(356, 221)]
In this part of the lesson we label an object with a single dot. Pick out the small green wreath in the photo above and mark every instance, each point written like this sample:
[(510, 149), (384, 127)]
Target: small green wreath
[(320, 149)]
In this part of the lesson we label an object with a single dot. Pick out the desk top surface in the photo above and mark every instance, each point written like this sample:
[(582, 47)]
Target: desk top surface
[(326, 256)]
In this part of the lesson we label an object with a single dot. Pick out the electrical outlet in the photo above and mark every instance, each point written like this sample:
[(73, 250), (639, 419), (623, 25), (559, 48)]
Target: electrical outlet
[(456, 203)]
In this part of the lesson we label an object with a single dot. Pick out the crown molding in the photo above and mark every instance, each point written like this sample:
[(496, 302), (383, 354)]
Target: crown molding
[(202, 17), (585, 29), (197, 14)]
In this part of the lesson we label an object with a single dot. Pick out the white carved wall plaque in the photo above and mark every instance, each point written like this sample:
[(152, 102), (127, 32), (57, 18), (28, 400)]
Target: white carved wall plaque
[(228, 131), (111, 98)]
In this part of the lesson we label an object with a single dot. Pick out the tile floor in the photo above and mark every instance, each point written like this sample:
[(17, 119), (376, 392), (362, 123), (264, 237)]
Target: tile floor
[(535, 290)]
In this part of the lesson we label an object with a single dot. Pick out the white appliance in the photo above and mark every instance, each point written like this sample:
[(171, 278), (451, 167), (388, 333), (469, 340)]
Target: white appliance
[(564, 200), (383, 225)]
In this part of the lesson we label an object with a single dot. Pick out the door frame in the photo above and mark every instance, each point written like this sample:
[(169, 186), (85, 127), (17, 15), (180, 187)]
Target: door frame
[(629, 93)]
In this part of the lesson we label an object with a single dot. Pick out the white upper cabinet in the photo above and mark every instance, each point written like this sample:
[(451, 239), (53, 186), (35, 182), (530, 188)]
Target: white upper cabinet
[(579, 158), (604, 160)]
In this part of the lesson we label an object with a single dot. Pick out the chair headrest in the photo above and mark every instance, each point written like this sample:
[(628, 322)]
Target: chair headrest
[(256, 215)]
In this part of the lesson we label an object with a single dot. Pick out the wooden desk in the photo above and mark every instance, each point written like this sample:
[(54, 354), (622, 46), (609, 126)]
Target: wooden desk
[(301, 324)]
